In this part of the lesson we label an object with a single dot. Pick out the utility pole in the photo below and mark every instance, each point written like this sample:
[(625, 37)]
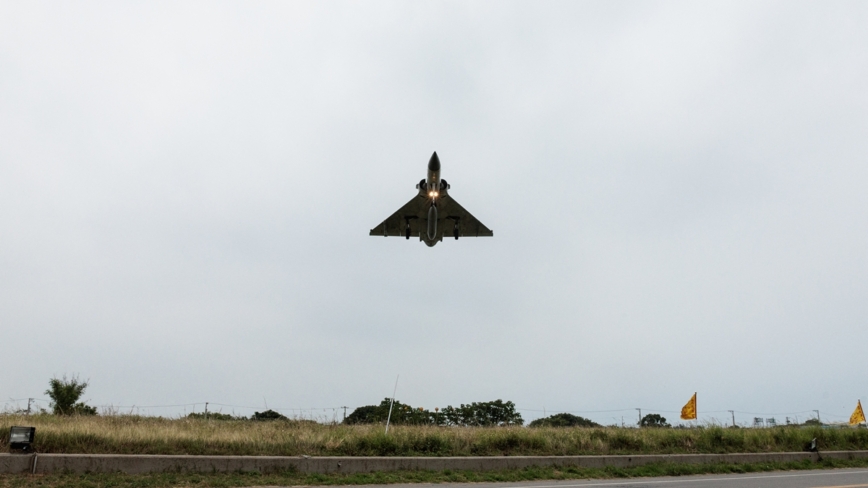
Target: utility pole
[(733, 416), (818, 416), (640, 417), (28, 405), (345, 413), (206, 410)]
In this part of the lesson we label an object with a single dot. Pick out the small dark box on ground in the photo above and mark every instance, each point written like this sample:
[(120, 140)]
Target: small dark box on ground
[(21, 438)]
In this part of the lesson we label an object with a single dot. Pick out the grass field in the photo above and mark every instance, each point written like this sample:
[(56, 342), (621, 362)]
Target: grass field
[(163, 480), (152, 435)]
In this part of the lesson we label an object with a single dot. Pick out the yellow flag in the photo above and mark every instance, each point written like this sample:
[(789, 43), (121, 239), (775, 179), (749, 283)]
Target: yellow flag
[(858, 415), (689, 410)]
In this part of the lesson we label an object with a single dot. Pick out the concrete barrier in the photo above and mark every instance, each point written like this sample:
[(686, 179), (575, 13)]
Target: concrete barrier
[(16, 463), (139, 464)]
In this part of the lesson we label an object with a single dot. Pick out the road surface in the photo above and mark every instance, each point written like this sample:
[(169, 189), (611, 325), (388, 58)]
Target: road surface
[(832, 478)]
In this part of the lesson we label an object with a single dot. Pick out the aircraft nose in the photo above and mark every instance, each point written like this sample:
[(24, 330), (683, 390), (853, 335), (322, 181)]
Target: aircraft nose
[(434, 163)]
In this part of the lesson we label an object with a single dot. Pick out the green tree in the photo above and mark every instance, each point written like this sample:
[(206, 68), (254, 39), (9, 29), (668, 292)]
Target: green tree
[(402, 414), (64, 394), (653, 420), (483, 414), (369, 414), (497, 412), (563, 420)]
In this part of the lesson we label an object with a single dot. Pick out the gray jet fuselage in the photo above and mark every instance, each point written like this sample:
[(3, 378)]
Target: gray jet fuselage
[(431, 189)]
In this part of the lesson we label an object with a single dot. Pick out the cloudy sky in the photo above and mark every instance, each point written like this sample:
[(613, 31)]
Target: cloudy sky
[(677, 193)]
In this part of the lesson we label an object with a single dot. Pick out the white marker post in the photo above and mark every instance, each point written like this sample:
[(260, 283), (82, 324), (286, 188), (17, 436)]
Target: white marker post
[(392, 403)]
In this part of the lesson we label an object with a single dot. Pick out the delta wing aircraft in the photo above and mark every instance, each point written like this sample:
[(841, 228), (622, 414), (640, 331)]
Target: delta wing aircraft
[(432, 213)]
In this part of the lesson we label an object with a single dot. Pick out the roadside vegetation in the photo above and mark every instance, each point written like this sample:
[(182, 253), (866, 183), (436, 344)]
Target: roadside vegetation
[(123, 434), (491, 428), (563, 420), (290, 478), (476, 414)]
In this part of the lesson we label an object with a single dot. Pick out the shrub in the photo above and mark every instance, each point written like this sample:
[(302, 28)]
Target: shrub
[(402, 414), (267, 415), (214, 416), (368, 414), (480, 414), (653, 420), (82, 409), (563, 420)]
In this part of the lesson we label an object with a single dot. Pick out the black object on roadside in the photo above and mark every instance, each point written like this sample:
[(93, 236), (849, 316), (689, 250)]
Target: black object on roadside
[(21, 438), (814, 447)]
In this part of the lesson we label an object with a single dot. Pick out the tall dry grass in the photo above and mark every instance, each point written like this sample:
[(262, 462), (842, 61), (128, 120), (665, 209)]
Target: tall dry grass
[(151, 435)]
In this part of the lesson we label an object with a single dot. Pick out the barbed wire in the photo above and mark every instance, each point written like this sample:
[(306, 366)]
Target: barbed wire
[(658, 410), (544, 410), (192, 404)]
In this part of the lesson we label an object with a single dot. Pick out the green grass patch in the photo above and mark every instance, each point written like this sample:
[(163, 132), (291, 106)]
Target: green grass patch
[(290, 478)]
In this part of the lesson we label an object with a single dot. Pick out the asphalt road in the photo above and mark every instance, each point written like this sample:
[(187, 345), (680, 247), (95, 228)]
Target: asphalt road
[(833, 478)]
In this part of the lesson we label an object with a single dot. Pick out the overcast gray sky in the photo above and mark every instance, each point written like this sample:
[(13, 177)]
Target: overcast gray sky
[(677, 193)]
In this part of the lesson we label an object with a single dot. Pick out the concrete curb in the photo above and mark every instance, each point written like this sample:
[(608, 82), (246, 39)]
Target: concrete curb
[(139, 464)]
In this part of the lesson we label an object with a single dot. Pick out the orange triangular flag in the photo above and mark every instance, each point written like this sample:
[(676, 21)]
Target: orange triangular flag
[(689, 410), (858, 415)]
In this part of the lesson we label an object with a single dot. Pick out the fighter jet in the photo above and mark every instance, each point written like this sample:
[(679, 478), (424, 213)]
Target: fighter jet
[(432, 213)]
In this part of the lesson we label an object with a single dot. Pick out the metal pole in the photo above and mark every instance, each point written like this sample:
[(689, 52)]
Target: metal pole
[(392, 403), (640, 417), (733, 417), (818, 417), (206, 410), (345, 413), (28, 405)]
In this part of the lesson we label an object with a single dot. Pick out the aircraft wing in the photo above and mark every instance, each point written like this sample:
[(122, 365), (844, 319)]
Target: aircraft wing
[(415, 211), (468, 226)]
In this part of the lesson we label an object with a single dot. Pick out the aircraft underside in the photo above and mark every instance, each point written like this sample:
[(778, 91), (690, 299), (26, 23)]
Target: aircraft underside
[(432, 214)]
